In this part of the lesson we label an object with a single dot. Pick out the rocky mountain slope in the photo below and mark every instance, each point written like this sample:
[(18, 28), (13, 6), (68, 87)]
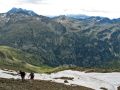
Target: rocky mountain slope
[(87, 42)]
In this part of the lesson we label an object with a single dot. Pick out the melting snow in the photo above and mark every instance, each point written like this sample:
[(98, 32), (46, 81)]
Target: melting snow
[(92, 80)]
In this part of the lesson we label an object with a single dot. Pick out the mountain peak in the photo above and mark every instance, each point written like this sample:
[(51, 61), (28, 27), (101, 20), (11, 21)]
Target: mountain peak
[(21, 11)]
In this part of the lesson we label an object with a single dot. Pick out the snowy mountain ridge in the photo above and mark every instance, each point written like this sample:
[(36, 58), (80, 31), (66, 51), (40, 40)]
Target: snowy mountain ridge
[(21, 11)]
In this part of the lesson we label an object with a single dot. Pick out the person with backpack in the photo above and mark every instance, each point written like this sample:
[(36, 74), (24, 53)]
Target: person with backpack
[(31, 75), (22, 74)]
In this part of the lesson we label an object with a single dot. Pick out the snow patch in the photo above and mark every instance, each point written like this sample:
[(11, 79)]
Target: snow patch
[(109, 81)]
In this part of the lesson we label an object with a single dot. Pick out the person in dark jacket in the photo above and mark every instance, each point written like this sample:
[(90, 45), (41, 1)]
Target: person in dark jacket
[(22, 74), (31, 75)]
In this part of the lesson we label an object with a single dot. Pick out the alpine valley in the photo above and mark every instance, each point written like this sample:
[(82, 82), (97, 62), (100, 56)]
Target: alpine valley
[(31, 41)]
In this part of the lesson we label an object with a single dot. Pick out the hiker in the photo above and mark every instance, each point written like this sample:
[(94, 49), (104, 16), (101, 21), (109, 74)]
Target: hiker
[(31, 75), (22, 74)]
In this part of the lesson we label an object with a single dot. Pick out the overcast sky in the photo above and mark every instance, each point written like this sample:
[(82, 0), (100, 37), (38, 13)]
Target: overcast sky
[(107, 8)]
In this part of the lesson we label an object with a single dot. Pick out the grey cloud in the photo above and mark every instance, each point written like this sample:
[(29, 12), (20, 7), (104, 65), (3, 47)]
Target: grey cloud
[(33, 1), (98, 11)]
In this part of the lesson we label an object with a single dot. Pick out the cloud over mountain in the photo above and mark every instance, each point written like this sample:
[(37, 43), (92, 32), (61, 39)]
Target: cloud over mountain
[(106, 8)]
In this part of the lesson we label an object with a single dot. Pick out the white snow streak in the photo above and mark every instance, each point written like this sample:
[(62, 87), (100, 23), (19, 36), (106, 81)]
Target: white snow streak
[(92, 80)]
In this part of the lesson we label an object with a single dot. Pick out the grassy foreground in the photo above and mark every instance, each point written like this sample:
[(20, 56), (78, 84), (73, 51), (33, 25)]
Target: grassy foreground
[(11, 84)]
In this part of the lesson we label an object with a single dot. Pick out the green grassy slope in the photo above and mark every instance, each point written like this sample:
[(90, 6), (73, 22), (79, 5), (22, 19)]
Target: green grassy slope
[(15, 59), (12, 58)]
